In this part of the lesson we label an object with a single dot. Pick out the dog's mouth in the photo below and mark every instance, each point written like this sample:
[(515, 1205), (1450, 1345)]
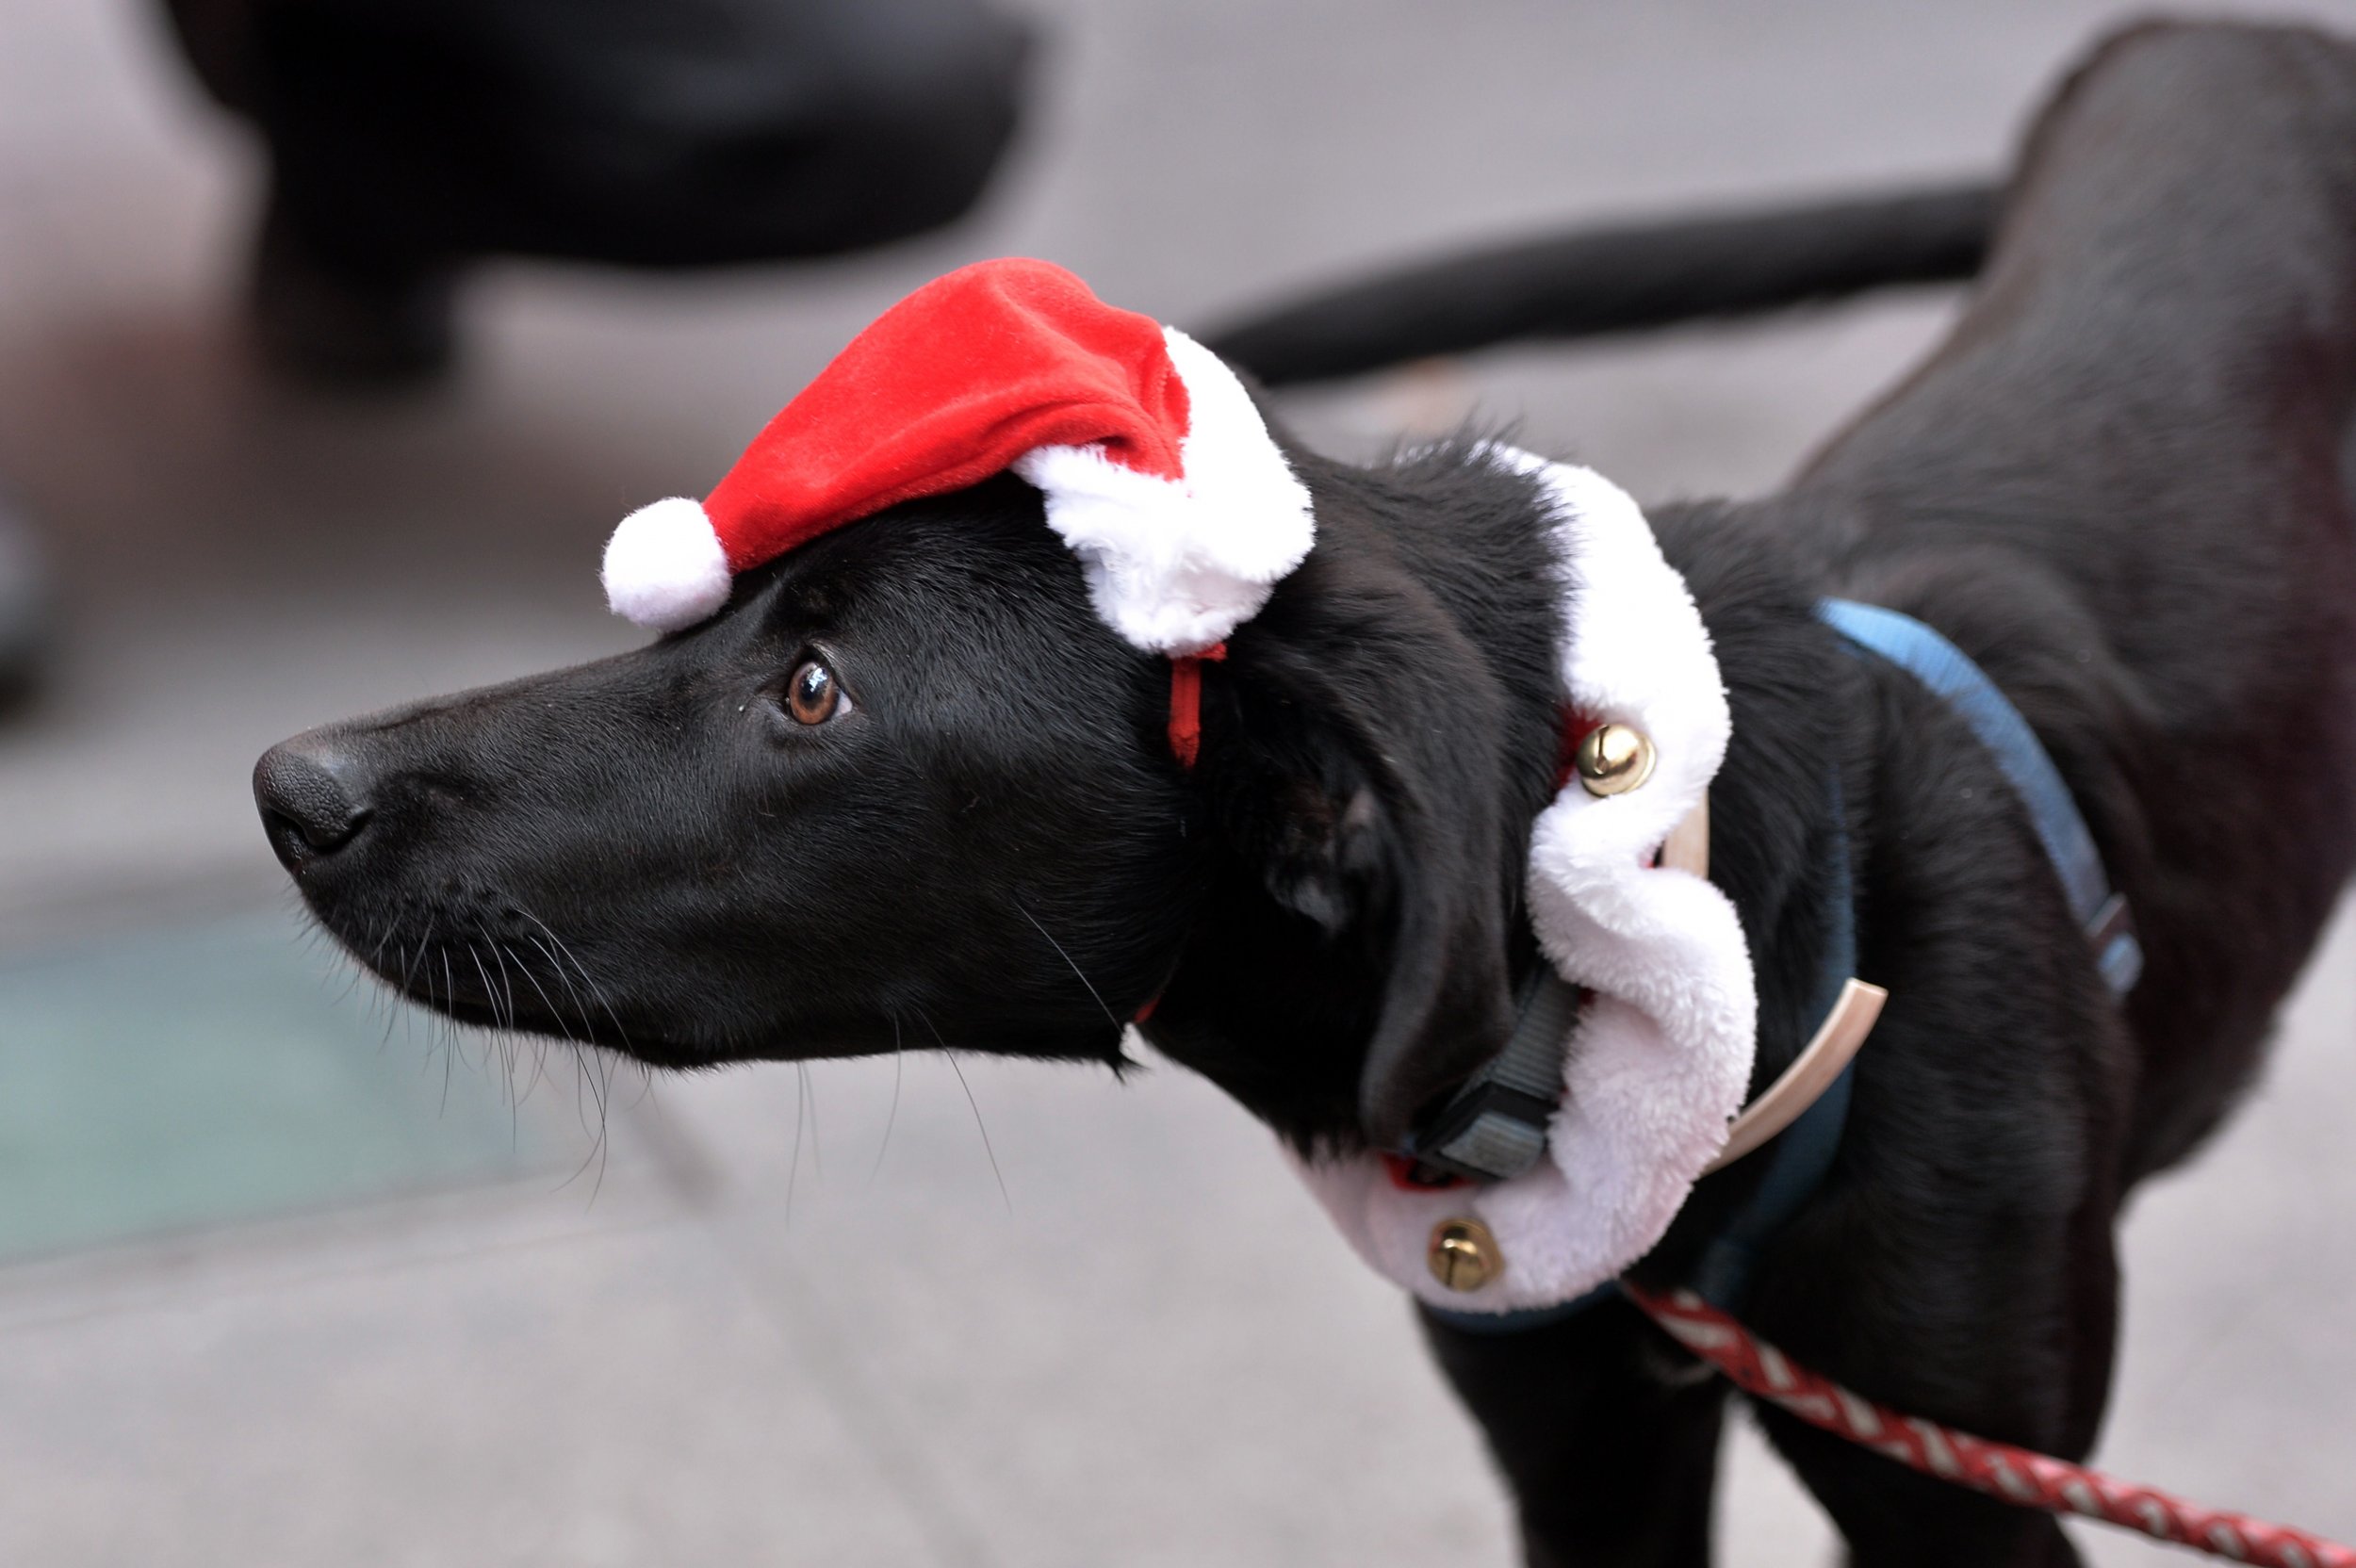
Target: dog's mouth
[(508, 972), (443, 933)]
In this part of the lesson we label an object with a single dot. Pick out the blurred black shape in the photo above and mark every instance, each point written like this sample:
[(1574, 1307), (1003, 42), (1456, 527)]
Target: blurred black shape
[(25, 607), (409, 136), (1595, 280)]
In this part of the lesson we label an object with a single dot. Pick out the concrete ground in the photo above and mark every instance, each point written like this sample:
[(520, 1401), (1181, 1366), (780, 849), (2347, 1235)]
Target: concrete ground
[(748, 1332)]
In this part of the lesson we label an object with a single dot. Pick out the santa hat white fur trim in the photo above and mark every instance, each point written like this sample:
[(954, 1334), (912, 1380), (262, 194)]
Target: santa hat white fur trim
[(1662, 1054), (665, 567), (1174, 566)]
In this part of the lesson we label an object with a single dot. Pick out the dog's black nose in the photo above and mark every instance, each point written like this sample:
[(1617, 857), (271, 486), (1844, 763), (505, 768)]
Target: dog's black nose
[(313, 798)]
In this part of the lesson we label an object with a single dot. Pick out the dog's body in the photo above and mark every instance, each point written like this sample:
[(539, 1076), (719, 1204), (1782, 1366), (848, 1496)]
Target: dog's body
[(2118, 487)]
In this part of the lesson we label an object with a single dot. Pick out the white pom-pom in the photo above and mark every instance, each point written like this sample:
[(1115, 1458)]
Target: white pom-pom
[(665, 567)]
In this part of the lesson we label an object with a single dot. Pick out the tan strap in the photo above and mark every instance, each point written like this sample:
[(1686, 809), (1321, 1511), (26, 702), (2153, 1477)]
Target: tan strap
[(1810, 1075), (1819, 1062), (1687, 847)]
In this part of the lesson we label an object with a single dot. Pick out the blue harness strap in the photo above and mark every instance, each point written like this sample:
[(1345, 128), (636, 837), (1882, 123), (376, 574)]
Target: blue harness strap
[(1941, 667), (1799, 1157)]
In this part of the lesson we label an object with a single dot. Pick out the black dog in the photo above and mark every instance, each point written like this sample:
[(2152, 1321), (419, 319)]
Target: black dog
[(907, 786)]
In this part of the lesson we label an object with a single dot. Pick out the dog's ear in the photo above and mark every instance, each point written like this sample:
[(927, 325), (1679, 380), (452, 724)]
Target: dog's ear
[(1447, 1005), (1372, 805)]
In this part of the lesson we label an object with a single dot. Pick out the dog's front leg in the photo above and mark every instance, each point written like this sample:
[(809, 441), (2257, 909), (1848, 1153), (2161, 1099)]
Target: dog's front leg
[(1604, 1431)]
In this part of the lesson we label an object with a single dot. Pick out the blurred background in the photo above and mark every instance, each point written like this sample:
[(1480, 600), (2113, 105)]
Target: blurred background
[(288, 1276)]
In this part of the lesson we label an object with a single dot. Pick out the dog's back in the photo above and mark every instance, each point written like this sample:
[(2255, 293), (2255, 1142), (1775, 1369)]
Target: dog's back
[(2119, 487), (2118, 484)]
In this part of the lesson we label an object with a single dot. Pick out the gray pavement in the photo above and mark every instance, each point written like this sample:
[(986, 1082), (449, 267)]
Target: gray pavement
[(730, 1343)]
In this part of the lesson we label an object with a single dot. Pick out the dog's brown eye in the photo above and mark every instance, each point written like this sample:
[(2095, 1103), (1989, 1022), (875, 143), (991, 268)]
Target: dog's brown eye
[(813, 696)]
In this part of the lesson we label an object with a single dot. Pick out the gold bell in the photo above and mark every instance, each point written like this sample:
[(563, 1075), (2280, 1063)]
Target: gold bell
[(1614, 758), (1464, 1255)]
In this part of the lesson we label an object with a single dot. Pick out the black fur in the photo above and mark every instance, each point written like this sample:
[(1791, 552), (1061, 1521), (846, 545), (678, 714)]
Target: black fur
[(2118, 487)]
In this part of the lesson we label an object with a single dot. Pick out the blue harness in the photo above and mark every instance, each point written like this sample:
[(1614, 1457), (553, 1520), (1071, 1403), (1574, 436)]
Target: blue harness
[(1799, 1158), (1941, 666)]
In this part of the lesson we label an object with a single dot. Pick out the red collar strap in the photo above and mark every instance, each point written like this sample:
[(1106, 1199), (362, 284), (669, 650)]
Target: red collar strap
[(1185, 737), (1185, 702)]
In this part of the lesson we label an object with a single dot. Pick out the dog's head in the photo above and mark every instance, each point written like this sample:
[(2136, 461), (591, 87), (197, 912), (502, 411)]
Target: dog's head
[(907, 788)]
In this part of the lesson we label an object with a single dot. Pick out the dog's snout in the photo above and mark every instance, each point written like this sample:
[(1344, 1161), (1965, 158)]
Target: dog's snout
[(313, 795)]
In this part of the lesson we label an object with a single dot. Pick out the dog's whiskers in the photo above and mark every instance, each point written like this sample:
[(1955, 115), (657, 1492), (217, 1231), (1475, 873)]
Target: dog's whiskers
[(452, 1044), (899, 1068), (585, 977), (507, 987), (565, 978), (425, 939), (377, 953), (390, 996), (587, 1077), (1093, 994), (509, 1036), (817, 1146), (540, 1056), (357, 970), (975, 1106), (793, 1169), (597, 1080), (490, 993)]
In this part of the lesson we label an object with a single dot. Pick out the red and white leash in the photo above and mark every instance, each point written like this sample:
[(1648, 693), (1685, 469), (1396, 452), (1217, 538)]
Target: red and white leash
[(2014, 1475)]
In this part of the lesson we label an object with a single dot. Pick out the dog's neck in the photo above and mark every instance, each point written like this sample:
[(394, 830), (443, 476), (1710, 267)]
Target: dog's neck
[(1280, 1010)]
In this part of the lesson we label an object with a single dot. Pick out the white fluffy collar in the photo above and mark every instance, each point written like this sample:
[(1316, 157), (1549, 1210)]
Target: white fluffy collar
[(1661, 1052)]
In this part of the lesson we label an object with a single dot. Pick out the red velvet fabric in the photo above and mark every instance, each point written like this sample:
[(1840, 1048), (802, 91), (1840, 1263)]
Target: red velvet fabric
[(946, 388)]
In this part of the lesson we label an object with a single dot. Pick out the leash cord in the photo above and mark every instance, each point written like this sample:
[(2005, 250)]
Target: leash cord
[(2012, 1475)]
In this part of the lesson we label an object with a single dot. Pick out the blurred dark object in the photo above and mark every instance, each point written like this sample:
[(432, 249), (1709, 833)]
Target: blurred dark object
[(25, 607), (407, 138), (1591, 282)]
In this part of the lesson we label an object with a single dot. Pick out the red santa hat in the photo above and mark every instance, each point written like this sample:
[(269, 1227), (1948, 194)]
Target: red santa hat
[(1156, 468)]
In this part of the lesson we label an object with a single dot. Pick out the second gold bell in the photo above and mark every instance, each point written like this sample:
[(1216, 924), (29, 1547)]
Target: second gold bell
[(1464, 1256), (1614, 758)]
